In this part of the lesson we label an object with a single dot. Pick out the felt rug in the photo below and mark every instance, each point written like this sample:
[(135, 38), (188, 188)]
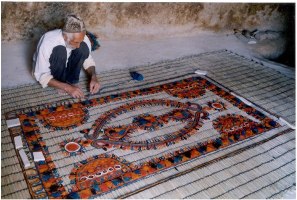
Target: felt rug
[(98, 145), (149, 140)]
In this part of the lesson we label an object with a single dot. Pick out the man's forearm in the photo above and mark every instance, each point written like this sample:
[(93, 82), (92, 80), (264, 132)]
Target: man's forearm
[(58, 84), (91, 71), (94, 83), (74, 91)]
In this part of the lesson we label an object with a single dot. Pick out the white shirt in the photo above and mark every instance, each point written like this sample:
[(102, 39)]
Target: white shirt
[(41, 64)]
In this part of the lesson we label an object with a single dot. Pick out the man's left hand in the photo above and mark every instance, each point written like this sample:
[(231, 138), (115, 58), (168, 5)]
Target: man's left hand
[(94, 85)]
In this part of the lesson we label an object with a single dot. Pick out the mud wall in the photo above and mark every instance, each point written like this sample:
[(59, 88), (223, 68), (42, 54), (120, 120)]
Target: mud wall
[(26, 20)]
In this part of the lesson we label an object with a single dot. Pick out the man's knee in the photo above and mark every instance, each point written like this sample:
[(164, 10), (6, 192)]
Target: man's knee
[(59, 55), (58, 61), (83, 50)]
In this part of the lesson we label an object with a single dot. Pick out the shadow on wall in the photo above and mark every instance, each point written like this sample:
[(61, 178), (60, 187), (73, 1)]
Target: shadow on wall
[(30, 49)]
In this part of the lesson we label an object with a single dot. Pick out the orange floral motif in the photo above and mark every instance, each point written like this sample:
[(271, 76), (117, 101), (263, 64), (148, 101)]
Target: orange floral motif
[(186, 90), (63, 118), (97, 169), (237, 125)]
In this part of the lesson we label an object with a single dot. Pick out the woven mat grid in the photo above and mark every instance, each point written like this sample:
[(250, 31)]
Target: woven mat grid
[(182, 167), (279, 88), (208, 61), (220, 170), (284, 181), (179, 168), (251, 79), (277, 194)]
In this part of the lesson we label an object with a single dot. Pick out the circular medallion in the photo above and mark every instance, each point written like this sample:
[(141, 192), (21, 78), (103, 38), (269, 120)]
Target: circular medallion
[(217, 105), (72, 147)]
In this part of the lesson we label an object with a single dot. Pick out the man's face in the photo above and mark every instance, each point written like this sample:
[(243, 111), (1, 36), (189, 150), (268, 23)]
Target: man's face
[(75, 41)]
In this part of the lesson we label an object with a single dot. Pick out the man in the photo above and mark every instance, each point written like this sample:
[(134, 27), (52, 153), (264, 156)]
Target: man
[(61, 54)]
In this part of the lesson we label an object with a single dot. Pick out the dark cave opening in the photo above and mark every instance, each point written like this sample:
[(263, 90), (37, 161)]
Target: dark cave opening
[(288, 57)]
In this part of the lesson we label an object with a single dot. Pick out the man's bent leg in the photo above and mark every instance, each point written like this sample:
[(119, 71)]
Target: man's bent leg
[(75, 63), (58, 62)]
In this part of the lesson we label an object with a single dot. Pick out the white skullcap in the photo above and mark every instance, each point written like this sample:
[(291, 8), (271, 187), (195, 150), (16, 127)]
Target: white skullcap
[(74, 24)]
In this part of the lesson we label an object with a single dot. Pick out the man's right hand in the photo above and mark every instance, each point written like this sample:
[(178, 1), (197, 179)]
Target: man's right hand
[(74, 91)]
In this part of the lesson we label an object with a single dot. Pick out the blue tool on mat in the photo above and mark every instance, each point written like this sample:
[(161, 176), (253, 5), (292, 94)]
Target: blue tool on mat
[(136, 76)]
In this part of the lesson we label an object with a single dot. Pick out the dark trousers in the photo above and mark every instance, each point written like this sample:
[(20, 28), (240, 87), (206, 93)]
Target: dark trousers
[(58, 58)]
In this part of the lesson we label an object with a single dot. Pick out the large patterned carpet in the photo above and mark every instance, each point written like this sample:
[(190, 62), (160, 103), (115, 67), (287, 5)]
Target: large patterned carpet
[(175, 134)]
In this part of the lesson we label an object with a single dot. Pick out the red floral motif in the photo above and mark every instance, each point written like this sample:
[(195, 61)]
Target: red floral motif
[(232, 124), (96, 170), (62, 117), (187, 90)]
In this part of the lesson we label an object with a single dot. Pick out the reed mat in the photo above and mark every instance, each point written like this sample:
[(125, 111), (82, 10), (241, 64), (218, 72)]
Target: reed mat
[(173, 135)]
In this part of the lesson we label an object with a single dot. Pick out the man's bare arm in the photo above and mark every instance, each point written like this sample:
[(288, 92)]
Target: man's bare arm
[(94, 83), (91, 71), (74, 91)]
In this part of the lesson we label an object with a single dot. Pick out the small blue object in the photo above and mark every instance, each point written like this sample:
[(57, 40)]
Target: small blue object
[(94, 40), (136, 76)]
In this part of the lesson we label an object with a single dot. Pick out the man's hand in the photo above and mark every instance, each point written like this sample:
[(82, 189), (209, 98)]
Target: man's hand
[(74, 91), (94, 85)]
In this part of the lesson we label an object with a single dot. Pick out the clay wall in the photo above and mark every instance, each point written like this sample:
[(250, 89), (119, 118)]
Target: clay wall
[(26, 20)]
